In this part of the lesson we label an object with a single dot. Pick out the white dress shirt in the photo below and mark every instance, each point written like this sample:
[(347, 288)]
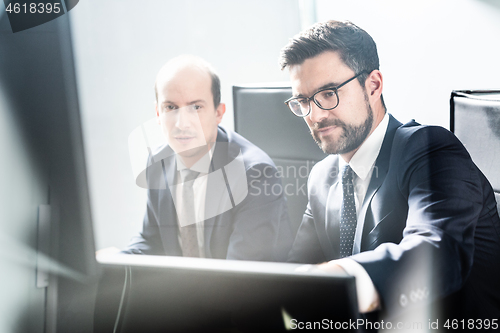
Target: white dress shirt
[(362, 163), (199, 190)]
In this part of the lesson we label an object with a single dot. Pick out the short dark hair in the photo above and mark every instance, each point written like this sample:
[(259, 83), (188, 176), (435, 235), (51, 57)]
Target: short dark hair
[(354, 45), (201, 63), (215, 88)]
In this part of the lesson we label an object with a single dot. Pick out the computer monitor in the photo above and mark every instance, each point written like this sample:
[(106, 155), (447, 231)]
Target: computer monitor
[(44, 188), (168, 294)]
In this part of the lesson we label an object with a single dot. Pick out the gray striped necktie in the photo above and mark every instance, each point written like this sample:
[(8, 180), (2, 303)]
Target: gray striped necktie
[(187, 225), (348, 219)]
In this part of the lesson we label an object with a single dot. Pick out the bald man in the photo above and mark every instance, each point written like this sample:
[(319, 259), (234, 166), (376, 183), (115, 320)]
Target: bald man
[(208, 188)]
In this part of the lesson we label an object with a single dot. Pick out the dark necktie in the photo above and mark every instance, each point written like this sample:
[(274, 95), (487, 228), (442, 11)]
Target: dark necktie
[(187, 217), (348, 218)]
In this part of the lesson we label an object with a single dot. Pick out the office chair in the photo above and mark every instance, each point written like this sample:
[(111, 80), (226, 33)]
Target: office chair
[(475, 120), (261, 116)]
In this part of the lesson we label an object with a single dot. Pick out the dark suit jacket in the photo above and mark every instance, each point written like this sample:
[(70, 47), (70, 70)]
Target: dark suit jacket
[(428, 228), (255, 227)]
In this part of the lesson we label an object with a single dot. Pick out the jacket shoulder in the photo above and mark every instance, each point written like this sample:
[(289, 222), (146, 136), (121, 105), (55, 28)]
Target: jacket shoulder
[(413, 136), (414, 129)]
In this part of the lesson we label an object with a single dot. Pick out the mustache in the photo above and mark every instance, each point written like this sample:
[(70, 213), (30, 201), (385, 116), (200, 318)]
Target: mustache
[(183, 133), (326, 123)]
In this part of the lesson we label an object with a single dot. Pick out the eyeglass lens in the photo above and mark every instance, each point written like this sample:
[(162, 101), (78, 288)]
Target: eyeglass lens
[(326, 99)]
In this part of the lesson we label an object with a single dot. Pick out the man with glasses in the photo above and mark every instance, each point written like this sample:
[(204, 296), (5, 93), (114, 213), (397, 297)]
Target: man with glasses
[(401, 207)]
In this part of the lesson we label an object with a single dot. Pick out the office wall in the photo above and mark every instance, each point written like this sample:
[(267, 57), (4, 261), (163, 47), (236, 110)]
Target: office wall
[(427, 48), (120, 46)]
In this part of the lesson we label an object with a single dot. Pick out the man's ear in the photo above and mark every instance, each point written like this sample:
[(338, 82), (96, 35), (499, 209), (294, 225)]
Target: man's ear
[(219, 112), (374, 84), (157, 113)]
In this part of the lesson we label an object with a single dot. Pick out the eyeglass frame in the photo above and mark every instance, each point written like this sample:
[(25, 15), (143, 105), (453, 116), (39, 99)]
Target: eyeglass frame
[(312, 98)]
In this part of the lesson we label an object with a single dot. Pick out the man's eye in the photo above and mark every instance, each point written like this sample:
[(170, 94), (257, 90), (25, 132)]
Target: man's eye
[(196, 107), (169, 108), (303, 101), (327, 94)]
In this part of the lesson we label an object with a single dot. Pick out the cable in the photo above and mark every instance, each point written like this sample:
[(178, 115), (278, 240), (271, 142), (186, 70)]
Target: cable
[(128, 276)]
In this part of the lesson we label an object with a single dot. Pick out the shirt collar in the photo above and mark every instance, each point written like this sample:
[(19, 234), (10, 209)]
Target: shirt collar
[(363, 160), (201, 166)]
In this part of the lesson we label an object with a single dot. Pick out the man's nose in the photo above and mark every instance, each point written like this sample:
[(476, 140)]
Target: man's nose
[(183, 120), (317, 114)]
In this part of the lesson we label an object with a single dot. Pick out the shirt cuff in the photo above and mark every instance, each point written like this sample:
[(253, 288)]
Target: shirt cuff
[(368, 298)]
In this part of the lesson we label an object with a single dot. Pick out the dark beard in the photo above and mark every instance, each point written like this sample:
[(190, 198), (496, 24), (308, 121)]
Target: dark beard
[(351, 138)]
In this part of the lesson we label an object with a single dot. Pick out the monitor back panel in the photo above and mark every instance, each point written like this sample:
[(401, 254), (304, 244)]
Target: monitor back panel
[(209, 294)]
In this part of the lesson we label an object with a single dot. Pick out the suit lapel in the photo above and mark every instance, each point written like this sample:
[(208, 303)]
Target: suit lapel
[(378, 176), (214, 187), (168, 213)]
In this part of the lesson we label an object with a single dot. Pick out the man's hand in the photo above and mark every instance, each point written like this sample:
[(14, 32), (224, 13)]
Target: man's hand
[(332, 267), (368, 298), (109, 251)]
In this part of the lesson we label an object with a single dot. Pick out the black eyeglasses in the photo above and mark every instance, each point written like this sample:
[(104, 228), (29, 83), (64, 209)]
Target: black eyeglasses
[(326, 99)]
